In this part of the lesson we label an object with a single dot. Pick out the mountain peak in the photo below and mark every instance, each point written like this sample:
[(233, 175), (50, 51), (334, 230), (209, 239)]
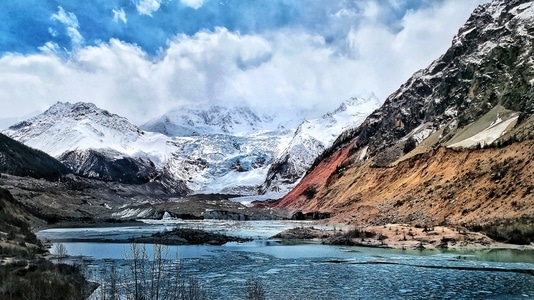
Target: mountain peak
[(312, 137), (66, 126), (79, 110), (361, 103), (188, 121)]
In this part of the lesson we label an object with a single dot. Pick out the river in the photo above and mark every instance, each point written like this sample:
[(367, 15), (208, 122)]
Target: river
[(316, 271)]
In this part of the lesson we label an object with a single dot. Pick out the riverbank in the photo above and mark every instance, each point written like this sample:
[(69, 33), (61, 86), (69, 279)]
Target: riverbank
[(88, 224), (398, 236)]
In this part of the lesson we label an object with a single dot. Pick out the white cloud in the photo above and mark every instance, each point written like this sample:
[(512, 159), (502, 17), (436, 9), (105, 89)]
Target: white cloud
[(71, 24), (67, 18), (290, 70), (53, 32), (50, 48), (119, 15), (221, 67), (147, 7), (196, 4)]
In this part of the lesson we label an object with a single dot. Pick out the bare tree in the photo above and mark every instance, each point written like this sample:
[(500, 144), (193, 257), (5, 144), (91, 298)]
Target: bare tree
[(150, 275), (60, 251)]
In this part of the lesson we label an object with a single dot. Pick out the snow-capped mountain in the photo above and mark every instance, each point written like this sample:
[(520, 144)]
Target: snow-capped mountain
[(93, 142), (215, 150), (67, 127), (220, 149), (187, 121), (310, 140), (98, 144)]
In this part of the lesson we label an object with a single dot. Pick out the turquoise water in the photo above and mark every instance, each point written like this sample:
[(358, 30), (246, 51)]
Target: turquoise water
[(315, 271)]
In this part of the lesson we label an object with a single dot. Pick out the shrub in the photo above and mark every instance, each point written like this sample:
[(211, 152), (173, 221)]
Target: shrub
[(356, 233), (42, 280), (255, 290), (520, 232), (409, 145), (310, 191), (145, 276)]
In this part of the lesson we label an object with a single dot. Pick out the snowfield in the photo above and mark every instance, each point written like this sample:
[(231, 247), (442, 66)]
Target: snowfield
[(488, 135)]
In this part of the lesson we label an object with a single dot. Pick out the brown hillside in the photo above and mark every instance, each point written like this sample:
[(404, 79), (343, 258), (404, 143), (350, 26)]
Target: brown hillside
[(442, 186)]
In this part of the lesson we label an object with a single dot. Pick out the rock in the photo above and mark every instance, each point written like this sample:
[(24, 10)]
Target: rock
[(188, 236)]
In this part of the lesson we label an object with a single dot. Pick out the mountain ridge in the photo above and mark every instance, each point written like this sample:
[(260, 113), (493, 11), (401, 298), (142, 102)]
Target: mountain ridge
[(478, 94), (219, 157), (311, 138), (21, 160), (78, 125), (216, 119)]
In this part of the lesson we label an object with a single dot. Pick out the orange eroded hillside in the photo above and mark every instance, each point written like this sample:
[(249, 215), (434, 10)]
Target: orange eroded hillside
[(314, 181), (442, 186)]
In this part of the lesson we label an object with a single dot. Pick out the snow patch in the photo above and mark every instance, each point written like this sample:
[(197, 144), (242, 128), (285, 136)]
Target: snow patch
[(488, 135), (524, 11), (247, 200), (451, 112), (420, 133), (130, 213), (363, 153)]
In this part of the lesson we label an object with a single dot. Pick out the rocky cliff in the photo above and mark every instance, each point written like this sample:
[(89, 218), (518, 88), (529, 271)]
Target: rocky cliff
[(311, 138), (418, 158)]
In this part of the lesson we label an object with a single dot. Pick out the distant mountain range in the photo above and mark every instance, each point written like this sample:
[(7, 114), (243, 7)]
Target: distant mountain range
[(187, 121), (211, 150)]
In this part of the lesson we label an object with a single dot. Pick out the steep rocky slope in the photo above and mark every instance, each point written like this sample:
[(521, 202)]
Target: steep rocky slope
[(442, 186), (415, 159), (311, 138), (16, 237), (110, 165), (21, 160)]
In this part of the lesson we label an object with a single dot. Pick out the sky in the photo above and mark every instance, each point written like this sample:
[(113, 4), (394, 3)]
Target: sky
[(141, 58)]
